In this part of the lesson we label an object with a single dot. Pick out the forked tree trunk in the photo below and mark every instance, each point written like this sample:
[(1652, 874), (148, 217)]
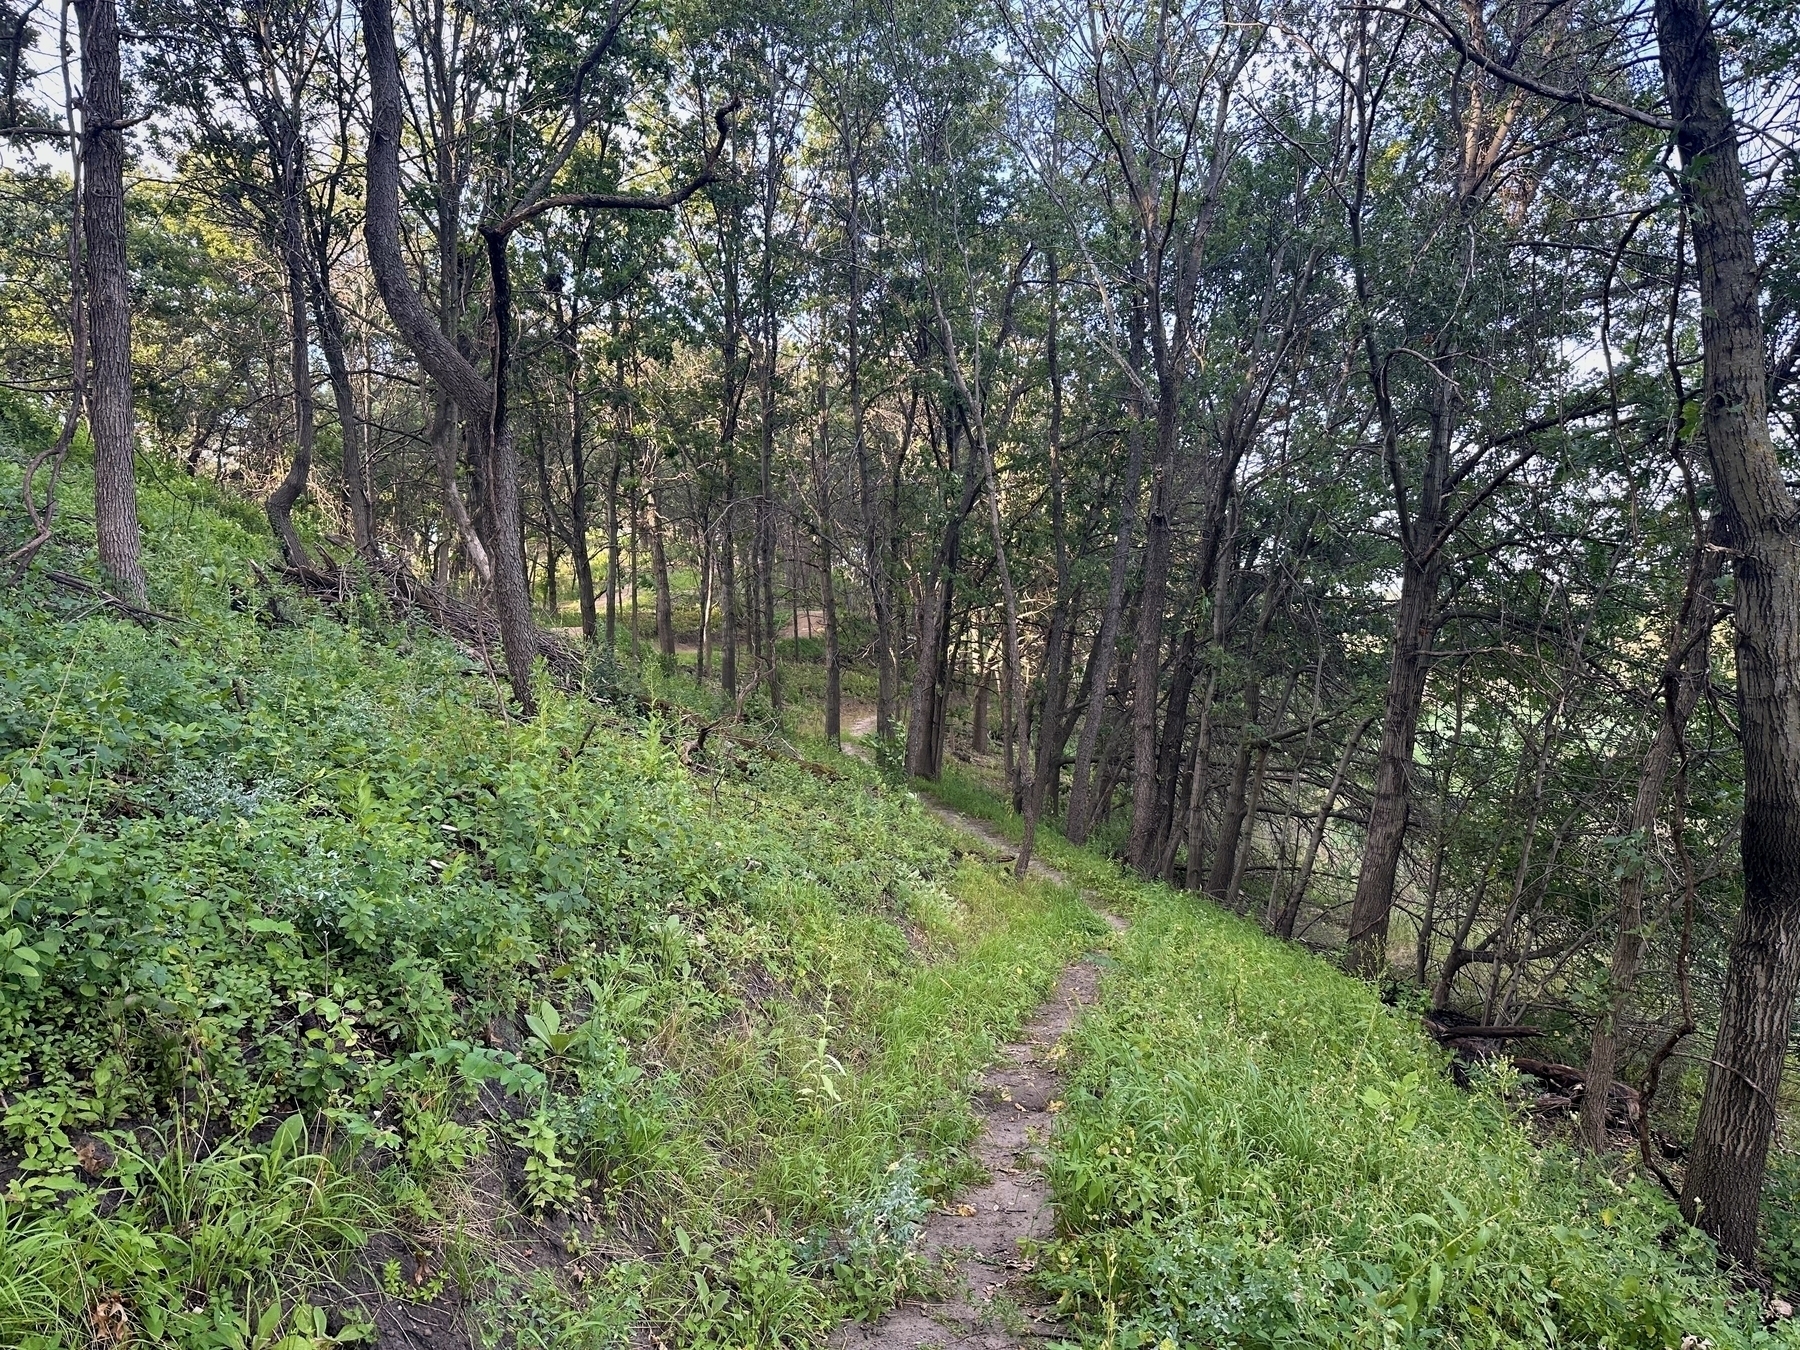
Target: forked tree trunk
[(449, 369), (1737, 1114)]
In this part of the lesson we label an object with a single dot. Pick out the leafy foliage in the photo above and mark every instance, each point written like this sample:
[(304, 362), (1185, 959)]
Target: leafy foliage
[(302, 940)]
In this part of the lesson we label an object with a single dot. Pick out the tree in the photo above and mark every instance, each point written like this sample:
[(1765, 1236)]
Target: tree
[(1723, 1189), (108, 301)]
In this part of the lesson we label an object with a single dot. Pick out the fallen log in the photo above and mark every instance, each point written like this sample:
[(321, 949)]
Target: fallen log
[(1573, 1081), (1472, 1033)]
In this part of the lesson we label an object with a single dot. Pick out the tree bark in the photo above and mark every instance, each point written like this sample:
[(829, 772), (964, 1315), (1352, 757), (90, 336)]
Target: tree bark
[(1048, 765), (1415, 625), (512, 594), (119, 541), (579, 507), (1283, 926), (290, 182), (665, 599), (1199, 770), (834, 677), (930, 691), (1147, 657), (1737, 1114), (1225, 847), (1079, 819), (728, 660), (330, 318), (449, 369)]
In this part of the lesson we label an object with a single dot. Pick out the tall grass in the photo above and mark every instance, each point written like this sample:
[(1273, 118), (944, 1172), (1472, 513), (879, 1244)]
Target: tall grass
[(1258, 1152)]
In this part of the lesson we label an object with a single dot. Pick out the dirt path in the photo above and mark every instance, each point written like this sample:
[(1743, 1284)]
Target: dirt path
[(984, 1301)]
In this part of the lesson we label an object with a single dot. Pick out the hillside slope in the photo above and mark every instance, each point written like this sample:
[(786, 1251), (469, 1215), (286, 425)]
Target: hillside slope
[(332, 1003), (336, 1006)]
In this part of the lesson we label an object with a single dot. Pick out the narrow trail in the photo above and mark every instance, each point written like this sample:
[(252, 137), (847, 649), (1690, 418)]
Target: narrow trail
[(983, 1300)]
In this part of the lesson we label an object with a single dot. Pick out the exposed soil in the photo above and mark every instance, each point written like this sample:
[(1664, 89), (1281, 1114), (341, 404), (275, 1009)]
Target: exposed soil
[(983, 1300)]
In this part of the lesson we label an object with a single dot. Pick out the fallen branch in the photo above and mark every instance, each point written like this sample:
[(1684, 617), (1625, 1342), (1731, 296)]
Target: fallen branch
[(1572, 1080), (1447, 1032), (108, 600)]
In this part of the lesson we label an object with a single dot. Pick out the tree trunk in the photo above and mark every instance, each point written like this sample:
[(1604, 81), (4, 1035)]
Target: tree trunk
[(612, 545), (930, 692), (512, 594), (579, 556), (1683, 678), (1414, 628), (978, 720), (1199, 770), (637, 530), (116, 532), (1079, 821), (1147, 658), (444, 453), (728, 661), (1051, 737), (834, 677), (1284, 921), (1246, 835), (1390, 804), (703, 656), (343, 392), (765, 500), (665, 598), (1231, 824), (541, 456), (448, 368), (280, 503), (1168, 750), (1737, 1114)]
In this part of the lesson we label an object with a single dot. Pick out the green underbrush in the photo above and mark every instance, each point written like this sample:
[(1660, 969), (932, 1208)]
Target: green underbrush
[(325, 989), (1257, 1152)]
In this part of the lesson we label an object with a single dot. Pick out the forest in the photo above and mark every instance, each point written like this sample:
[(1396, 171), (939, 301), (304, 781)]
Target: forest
[(651, 652)]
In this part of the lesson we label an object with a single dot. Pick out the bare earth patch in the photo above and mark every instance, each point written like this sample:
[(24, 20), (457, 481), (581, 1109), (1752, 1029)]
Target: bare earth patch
[(986, 1301)]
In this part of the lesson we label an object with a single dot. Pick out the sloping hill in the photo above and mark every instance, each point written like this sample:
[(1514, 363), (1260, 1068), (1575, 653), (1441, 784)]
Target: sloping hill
[(1258, 1152), (336, 1005), (333, 1002)]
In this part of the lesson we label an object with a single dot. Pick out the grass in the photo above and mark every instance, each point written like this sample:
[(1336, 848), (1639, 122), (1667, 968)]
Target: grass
[(325, 988), (1258, 1152)]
